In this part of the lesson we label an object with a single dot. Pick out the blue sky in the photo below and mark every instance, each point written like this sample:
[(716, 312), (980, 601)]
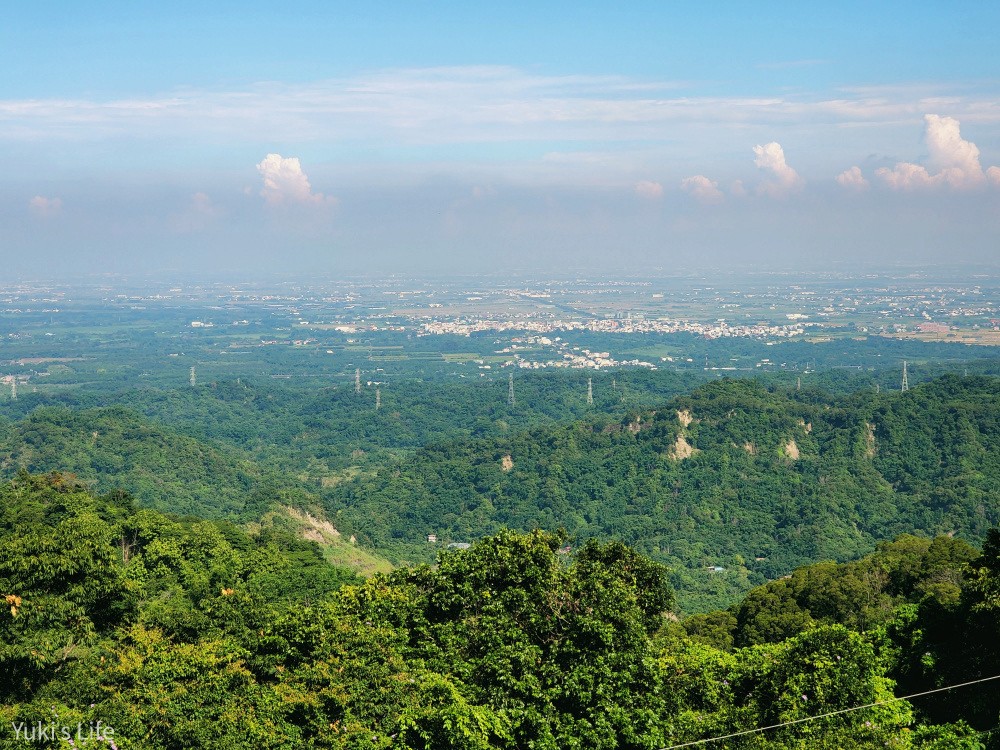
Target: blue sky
[(445, 136)]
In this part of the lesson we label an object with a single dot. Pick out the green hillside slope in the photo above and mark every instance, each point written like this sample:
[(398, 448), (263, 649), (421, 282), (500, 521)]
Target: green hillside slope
[(732, 485), (115, 447), (173, 634)]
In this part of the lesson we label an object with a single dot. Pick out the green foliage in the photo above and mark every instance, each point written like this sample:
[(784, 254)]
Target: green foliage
[(957, 736), (177, 695), (187, 633), (74, 567), (564, 649), (824, 670), (950, 637), (184, 631), (731, 486), (756, 481), (862, 595), (116, 448)]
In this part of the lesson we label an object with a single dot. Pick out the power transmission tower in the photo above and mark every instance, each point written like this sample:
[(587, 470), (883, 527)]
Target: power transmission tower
[(378, 399), (878, 389), (510, 390), (192, 378), (906, 385), (798, 384), (590, 391), (13, 388), (614, 384), (357, 380)]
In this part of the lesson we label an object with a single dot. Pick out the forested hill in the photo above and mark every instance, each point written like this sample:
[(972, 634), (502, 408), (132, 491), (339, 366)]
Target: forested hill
[(185, 633), (318, 428), (732, 485), (117, 448)]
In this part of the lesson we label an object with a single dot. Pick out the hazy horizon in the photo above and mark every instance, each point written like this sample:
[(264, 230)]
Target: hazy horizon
[(423, 139)]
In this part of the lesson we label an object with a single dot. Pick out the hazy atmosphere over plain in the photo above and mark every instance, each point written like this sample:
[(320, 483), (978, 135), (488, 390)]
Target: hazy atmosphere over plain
[(326, 137)]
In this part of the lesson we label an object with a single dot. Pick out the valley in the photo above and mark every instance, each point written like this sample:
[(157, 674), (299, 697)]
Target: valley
[(236, 485)]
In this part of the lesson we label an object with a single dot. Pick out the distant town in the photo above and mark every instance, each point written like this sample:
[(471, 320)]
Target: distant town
[(475, 326)]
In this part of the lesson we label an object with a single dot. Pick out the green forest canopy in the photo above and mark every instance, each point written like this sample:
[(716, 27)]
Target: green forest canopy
[(180, 633)]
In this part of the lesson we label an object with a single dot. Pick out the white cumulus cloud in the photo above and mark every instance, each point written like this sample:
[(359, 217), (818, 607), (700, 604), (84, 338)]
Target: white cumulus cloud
[(648, 189), (286, 184), (955, 161), (993, 175), (42, 206), (772, 158), (906, 176), (852, 179), (702, 188), (956, 158)]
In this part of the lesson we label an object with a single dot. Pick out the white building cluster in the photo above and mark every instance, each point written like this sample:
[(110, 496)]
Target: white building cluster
[(718, 329)]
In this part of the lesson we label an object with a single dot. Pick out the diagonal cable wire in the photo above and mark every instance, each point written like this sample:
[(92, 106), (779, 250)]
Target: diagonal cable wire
[(831, 713)]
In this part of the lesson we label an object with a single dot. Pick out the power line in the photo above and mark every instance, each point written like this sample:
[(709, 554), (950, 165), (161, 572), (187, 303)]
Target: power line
[(831, 713)]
